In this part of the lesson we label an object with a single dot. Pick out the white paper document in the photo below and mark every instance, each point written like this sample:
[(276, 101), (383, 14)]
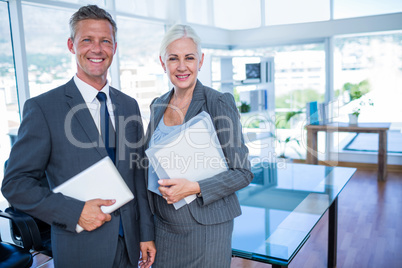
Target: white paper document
[(101, 180), (190, 152)]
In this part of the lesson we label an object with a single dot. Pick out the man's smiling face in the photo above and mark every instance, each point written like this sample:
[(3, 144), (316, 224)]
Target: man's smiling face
[(94, 46)]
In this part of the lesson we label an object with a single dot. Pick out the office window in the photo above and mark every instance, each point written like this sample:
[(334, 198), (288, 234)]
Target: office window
[(295, 11), (141, 74), (198, 12), (357, 8), (100, 3), (150, 8), (9, 111), (371, 64), (50, 63), (237, 14), (299, 78)]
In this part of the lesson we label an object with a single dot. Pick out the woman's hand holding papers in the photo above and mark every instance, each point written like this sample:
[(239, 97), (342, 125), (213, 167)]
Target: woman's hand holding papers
[(174, 190), (92, 216)]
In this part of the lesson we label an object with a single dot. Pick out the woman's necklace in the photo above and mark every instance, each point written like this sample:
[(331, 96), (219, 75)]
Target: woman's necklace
[(175, 107)]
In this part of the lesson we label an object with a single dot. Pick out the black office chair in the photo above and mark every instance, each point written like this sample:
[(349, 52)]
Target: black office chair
[(13, 256), (40, 231)]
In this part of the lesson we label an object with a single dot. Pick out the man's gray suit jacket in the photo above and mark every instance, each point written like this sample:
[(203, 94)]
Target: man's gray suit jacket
[(219, 202), (58, 137)]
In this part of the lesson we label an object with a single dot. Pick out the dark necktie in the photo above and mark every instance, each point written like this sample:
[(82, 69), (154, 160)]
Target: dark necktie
[(107, 130), (108, 135)]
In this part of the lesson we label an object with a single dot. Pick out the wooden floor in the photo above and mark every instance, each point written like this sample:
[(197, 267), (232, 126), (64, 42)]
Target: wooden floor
[(369, 228)]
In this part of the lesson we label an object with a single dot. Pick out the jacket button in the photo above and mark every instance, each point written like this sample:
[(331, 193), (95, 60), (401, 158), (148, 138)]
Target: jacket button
[(116, 212)]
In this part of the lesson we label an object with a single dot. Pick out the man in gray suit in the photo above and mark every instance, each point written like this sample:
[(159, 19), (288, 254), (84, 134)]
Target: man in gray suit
[(60, 136)]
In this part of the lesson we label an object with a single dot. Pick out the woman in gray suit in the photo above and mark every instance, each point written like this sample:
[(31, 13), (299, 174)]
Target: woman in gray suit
[(198, 234)]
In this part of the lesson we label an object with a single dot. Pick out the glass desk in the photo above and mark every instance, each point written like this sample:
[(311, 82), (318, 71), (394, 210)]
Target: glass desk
[(281, 207)]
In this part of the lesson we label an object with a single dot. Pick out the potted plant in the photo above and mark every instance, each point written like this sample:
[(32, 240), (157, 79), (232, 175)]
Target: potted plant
[(283, 143), (244, 107), (354, 116), (357, 94)]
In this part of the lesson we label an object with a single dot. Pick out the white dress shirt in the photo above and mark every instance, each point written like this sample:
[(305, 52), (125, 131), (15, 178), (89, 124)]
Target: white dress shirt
[(89, 94)]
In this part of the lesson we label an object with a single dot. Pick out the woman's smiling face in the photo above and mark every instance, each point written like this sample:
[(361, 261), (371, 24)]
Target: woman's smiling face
[(182, 63)]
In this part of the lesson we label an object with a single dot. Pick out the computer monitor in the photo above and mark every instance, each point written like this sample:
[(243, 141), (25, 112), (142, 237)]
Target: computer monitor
[(253, 71)]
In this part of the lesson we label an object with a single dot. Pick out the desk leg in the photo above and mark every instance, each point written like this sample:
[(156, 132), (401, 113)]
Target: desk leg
[(382, 155), (312, 154), (332, 233)]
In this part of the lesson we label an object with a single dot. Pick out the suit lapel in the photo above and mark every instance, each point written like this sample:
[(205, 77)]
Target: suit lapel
[(197, 102), (118, 110), (81, 112)]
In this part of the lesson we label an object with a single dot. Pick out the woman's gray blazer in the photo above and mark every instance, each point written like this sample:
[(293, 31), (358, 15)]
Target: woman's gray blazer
[(219, 202)]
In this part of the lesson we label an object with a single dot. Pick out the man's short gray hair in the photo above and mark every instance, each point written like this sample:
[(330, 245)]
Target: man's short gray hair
[(90, 12)]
